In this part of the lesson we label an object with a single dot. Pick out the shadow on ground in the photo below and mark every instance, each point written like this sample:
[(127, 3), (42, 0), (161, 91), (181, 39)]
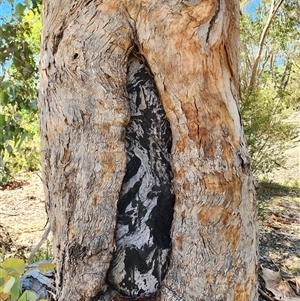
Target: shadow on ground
[(279, 230)]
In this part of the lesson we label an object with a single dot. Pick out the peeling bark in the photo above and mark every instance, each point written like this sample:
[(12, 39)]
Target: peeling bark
[(192, 50)]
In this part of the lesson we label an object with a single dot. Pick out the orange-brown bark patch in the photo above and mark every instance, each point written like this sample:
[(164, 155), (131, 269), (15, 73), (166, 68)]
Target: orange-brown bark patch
[(110, 6), (181, 145), (179, 240), (194, 132), (232, 236), (66, 155), (241, 293), (94, 202), (186, 185), (227, 215), (214, 182), (105, 127), (108, 166), (234, 191), (180, 173), (190, 110), (206, 142), (227, 154), (202, 12), (211, 214)]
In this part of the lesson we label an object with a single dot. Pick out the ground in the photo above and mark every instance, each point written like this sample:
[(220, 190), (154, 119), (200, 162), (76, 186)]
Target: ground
[(22, 213), (279, 226), (279, 235), (23, 221)]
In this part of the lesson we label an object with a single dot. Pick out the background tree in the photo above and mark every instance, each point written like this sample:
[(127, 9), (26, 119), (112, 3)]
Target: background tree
[(192, 50), (269, 73), (19, 56)]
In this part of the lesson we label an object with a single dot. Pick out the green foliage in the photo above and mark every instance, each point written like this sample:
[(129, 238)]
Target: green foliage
[(266, 105), (19, 48), (11, 270), (268, 134), (43, 254), (45, 267)]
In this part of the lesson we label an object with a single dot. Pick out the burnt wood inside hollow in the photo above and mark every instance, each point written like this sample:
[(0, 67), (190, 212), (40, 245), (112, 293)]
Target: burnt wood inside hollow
[(146, 200)]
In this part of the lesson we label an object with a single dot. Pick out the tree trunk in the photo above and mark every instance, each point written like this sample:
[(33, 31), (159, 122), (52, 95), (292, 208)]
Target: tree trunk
[(110, 199)]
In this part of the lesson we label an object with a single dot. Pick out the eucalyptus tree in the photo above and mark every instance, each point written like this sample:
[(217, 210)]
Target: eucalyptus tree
[(19, 48), (269, 77), (147, 177)]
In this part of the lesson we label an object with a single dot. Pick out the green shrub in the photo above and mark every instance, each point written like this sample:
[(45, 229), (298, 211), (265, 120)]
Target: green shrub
[(19, 48), (267, 132), (11, 270)]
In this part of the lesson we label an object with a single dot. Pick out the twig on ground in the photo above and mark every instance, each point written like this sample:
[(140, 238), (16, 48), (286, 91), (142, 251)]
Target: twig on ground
[(267, 297), (39, 176), (43, 238)]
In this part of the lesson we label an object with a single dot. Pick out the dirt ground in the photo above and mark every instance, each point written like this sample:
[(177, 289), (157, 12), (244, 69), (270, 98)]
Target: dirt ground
[(23, 220), (22, 212)]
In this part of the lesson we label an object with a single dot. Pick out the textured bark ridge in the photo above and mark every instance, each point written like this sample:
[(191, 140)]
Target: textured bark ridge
[(145, 207)]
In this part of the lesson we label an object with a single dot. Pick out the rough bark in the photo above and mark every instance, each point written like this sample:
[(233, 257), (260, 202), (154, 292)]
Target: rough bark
[(214, 227), (83, 112), (192, 50)]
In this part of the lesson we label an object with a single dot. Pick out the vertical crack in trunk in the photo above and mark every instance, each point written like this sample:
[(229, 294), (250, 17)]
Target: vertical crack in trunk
[(213, 20), (145, 208)]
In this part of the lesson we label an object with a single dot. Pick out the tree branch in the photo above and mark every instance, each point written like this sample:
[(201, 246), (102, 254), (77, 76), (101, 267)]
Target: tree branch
[(43, 238), (273, 12), (262, 293)]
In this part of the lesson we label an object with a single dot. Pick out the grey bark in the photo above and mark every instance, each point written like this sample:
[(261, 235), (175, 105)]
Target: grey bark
[(83, 113)]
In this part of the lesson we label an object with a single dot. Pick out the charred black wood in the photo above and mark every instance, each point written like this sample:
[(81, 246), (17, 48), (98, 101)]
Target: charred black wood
[(145, 207)]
